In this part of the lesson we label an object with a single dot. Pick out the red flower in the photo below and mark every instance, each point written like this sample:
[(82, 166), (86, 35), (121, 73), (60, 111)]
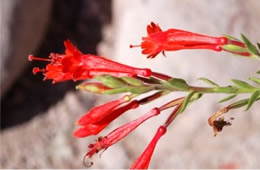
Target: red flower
[(98, 126), (119, 133), (73, 65), (143, 161), (173, 39), (95, 128), (100, 112)]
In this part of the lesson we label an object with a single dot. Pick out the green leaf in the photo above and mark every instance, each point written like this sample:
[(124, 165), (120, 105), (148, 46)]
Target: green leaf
[(239, 104), (227, 98), (186, 101), (195, 97), (117, 90), (111, 81), (132, 81), (258, 72), (140, 90), (234, 48), (230, 37), (242, 84), (250, 46), (209, 82), (254, 79), (252, 99), (179, 84)]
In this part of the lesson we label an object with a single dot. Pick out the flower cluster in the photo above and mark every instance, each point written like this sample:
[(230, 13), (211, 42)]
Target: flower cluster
[(113, 78)]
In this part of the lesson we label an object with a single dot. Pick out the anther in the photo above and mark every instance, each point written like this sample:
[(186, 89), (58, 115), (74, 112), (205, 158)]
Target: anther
[(37, 70)]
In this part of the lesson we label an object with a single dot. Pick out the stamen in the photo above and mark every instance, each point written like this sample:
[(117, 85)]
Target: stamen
[(37, 70), (87, 161), (102, 152), (133, 46), (31, 58)]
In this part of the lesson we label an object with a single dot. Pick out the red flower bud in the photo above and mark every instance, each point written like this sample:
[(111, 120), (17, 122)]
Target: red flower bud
[(173, 39), (143, 161), (95, 128), (98, 113), (73, 65)]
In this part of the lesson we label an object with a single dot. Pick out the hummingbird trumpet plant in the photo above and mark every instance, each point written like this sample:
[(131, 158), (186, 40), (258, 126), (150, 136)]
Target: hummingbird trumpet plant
[(110, 77)]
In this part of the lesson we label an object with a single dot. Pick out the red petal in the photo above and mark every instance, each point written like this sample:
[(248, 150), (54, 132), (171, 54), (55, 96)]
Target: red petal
[(143, 161), (153, 28), (98, 113)]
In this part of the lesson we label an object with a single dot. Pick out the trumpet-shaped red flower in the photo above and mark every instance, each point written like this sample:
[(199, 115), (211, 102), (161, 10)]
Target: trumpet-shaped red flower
[(73, 65), (173, 39), (100, 112), (143, 161), (119, 133), (98, 126), (95, 128)]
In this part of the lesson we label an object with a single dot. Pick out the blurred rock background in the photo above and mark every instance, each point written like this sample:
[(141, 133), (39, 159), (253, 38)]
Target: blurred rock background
[(37, 118)]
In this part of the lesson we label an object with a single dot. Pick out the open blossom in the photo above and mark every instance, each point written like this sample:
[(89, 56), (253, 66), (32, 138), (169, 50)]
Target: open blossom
[(95, 128), (174, 39), (73, 65), (143, 161)]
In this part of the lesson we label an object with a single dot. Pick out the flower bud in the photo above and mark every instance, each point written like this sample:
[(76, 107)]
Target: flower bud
[(132, 81), (111, 81), (93, 87)]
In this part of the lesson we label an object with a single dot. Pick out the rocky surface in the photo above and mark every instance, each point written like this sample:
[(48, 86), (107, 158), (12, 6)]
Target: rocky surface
[(38, 118)]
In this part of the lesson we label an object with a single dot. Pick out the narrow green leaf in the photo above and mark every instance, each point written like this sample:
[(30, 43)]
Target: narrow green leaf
[(117, 90), (186, 101), (249, 45), (195, 97), (231, 37), (132, 81), (134, 90), (140, 90), (111, 81), (179, 84), (227, 98), (234, 48), (252, 99), (254, 79), (239, 104), (242, 84), (209, 82), (258, 72)]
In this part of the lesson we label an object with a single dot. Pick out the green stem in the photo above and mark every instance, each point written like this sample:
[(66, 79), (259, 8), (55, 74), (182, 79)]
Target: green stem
[(225, 90)]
